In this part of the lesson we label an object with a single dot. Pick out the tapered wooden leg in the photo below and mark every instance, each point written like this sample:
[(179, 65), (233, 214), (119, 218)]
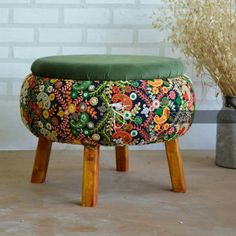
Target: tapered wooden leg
[(122, 158), (41, 160), (175, 166), (90, 176)]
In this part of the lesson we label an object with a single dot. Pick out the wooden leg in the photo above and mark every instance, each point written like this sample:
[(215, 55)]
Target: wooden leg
[(175, 166), (41, 160), (90, 176), (122, 159)]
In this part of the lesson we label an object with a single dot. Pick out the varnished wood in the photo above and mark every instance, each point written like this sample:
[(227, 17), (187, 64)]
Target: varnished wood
[(41, 160), (122, 158), (90, 176), (175, 166)]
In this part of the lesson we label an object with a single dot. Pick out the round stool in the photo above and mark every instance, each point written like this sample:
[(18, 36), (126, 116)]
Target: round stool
[(107, 100)]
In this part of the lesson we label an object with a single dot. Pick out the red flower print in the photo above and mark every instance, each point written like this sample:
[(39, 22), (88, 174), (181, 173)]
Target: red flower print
[(115, 89), (128, 89), (129, 127)]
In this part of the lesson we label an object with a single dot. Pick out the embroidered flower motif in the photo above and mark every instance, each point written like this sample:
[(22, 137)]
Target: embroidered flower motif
[(52, 96), (115, 89), (93, 101), (164, 89), (45, 114), (155, 90), (49, 89), (172, 95), (129, 127), (71, 108), (138, 120), (127, 115), (128, 89), (96, 137), (156, 104), (165, 101), (82, 107), (133, 96), (134, 133)]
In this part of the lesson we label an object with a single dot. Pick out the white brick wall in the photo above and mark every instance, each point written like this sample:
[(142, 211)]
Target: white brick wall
[(30, 52), (133, 16), (35, 16), (16, 35), (36, 28), (80, 16), (109, 36), (4, 52), (4, 15)]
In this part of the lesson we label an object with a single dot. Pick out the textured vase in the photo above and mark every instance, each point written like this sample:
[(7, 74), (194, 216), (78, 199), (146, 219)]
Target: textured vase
[(226, 134)]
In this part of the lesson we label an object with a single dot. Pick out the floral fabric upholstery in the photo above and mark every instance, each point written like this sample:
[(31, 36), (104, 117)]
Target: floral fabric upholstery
[(109, 113)]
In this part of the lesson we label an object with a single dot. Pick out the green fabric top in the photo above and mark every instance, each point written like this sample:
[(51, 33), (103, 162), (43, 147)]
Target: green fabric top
[(107, 67)]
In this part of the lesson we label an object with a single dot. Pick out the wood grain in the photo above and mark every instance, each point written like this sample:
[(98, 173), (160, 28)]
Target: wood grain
[(122, 158), (41, 160), (175, 166), (90, 176)]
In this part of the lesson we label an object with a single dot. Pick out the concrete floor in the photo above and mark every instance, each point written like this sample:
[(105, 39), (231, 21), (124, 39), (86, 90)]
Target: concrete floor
[(135, 203)]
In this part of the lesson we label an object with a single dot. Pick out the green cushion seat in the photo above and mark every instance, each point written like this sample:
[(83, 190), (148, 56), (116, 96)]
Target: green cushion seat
[(107, 67)]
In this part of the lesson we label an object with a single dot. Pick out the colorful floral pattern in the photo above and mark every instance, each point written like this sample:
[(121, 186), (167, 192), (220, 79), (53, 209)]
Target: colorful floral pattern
[(107, 112)]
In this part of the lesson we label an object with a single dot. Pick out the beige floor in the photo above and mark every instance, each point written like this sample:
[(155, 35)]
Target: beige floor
[(135, 203)]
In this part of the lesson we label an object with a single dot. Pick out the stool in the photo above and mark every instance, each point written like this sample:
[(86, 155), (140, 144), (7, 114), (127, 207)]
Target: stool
[(107, 100)]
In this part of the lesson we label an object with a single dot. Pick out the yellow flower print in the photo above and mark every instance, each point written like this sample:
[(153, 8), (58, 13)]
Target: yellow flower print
[(60, 113), (52, 96), (155, 90), (71, 108), (45, 114), (157, 127)]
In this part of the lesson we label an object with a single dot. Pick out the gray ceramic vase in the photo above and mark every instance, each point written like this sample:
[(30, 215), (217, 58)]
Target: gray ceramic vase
[(226, 134)]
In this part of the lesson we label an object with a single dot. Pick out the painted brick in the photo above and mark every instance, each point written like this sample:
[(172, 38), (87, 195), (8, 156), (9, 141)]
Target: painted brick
[(34, 52), (133, 16), (87, 16), (16, 87), (35, 15), (135, 51), (60, 35), (4, 15), (110, 35), (4, 52), (83, 50), (3, 88), (110, 1), (151, 36), (16, 35), (13, 70)]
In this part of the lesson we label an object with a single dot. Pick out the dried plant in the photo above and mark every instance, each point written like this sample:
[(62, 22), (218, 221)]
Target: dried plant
[(204, 30)]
